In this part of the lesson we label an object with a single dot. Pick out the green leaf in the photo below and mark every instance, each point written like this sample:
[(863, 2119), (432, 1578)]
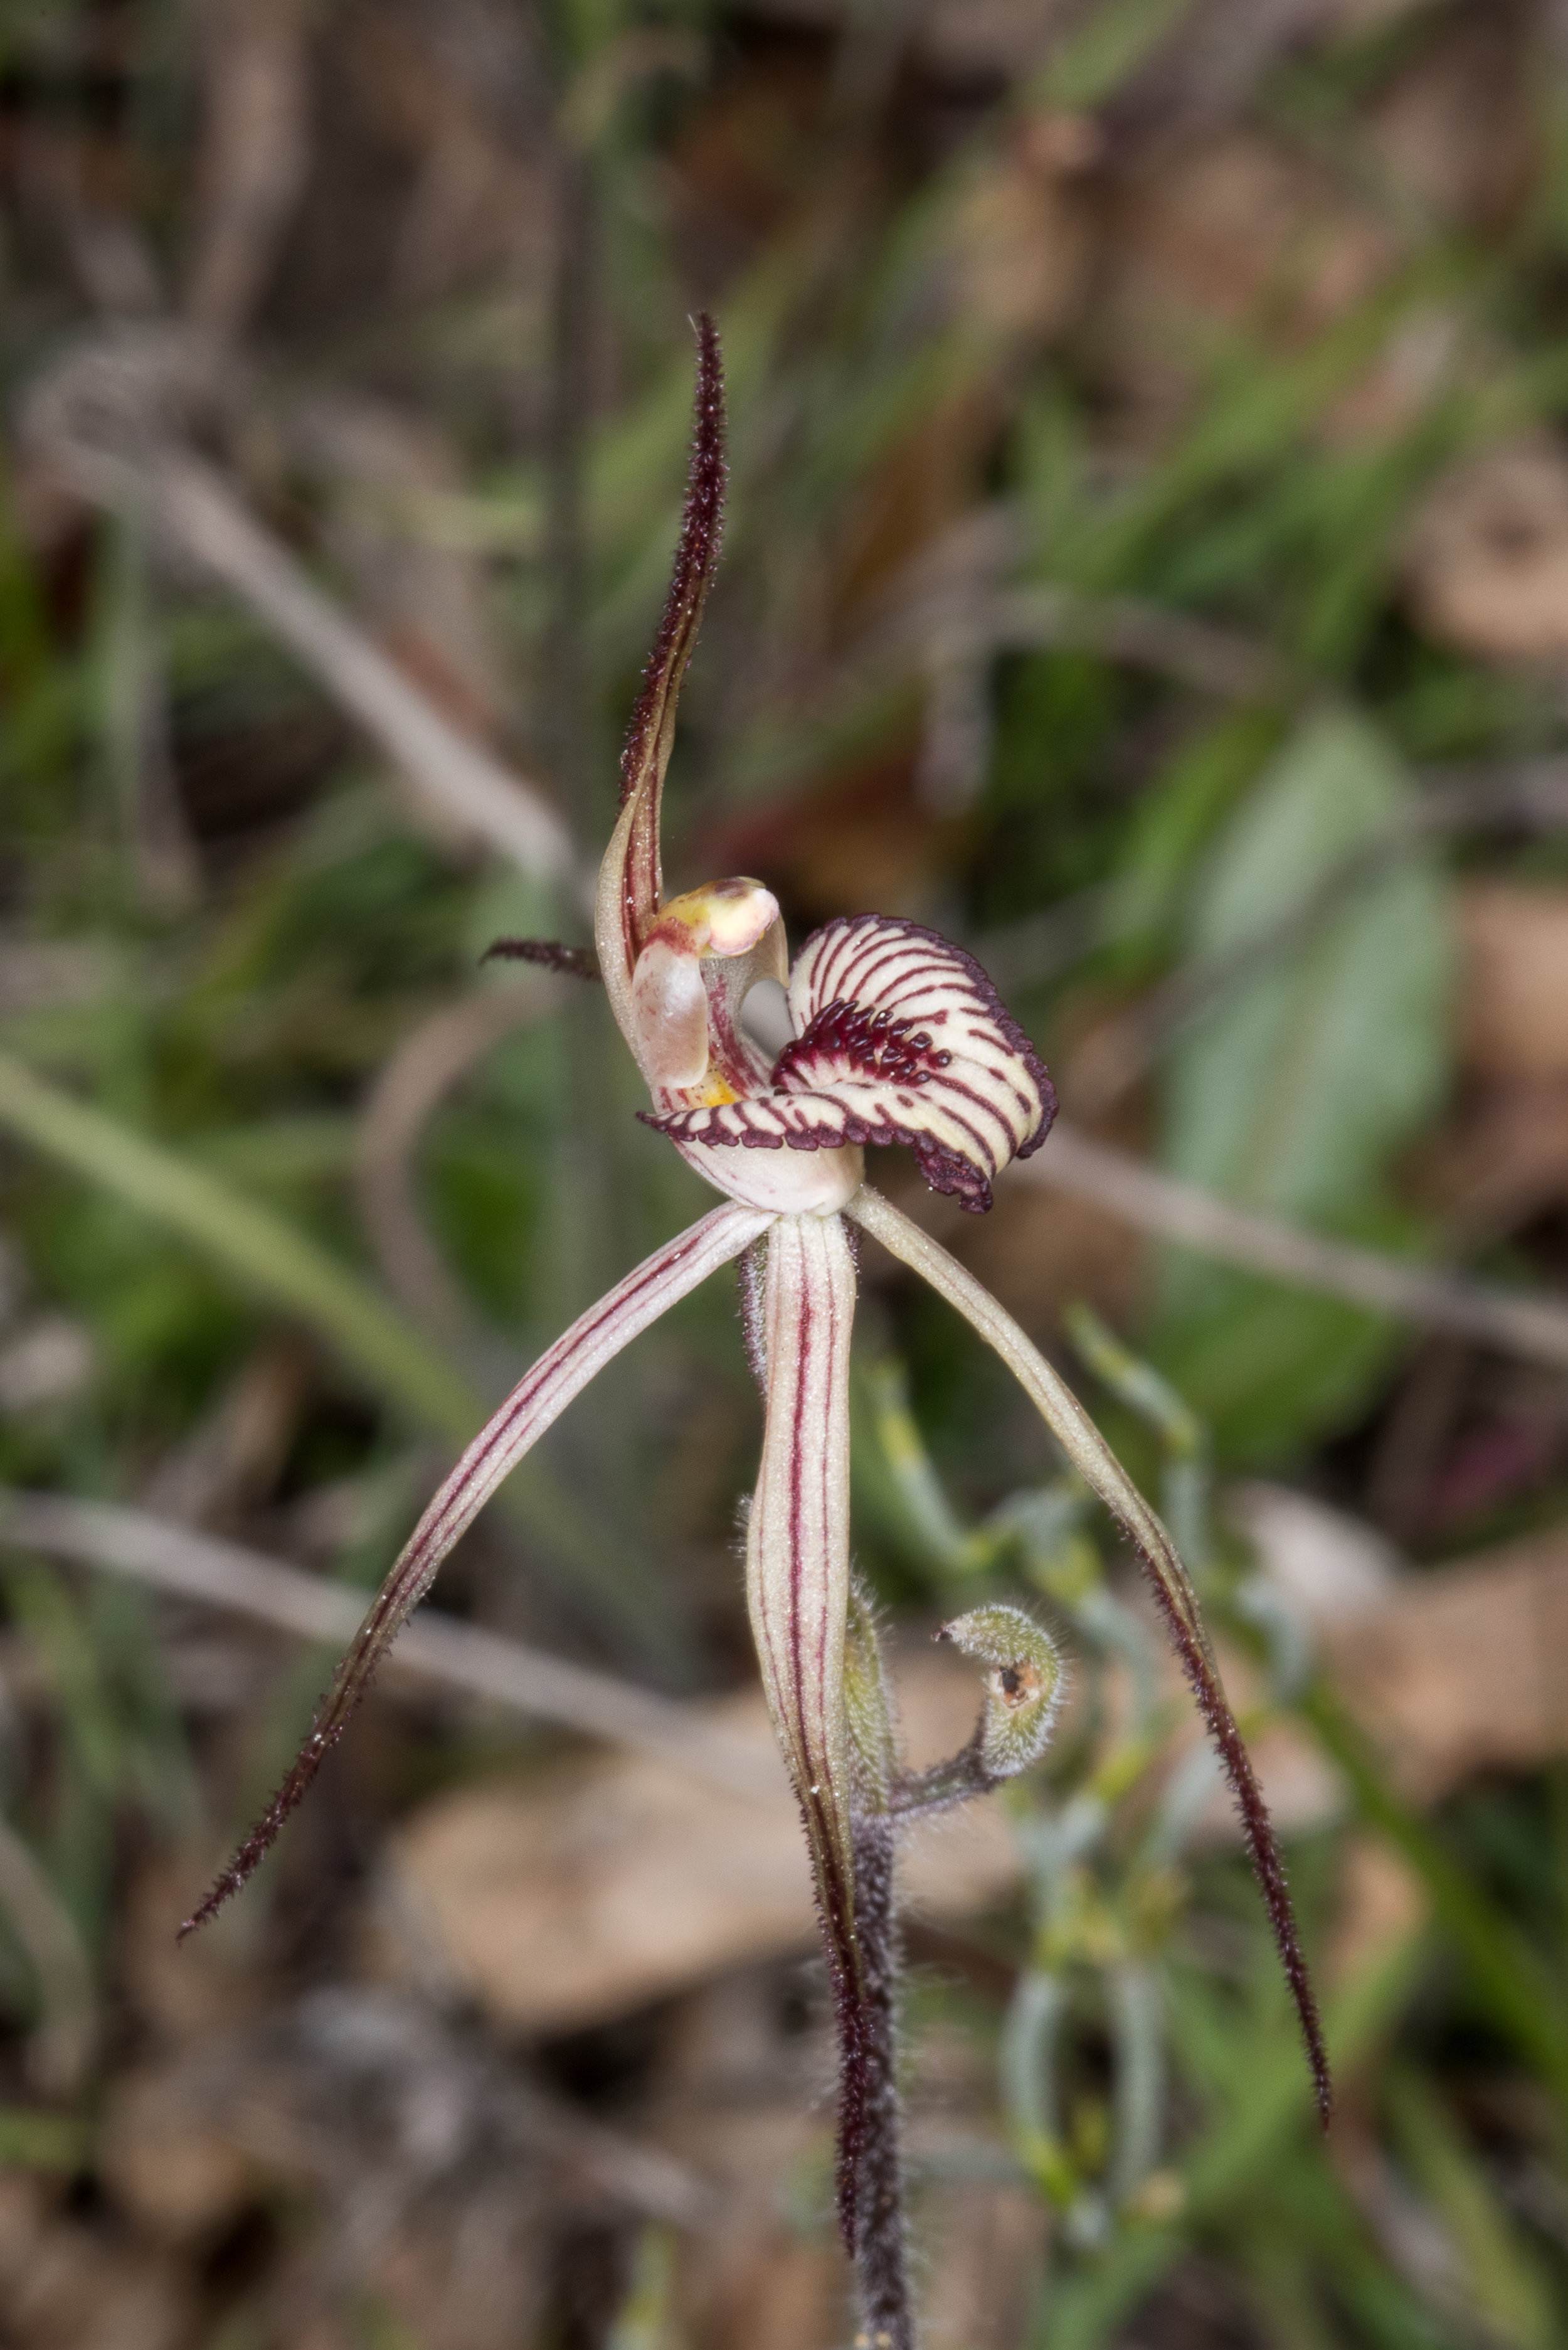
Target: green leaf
[(1505, 2283), (42, 2141), (267, 1255), (1310, 1068)]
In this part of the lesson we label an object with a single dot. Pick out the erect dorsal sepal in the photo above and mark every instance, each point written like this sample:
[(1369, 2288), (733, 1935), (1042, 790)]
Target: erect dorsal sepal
[(900, 1037)]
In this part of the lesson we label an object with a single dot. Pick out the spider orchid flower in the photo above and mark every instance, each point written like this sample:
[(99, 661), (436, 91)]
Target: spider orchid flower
[(897, 1038)]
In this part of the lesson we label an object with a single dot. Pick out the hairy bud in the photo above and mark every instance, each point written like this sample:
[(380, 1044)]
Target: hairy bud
[(1022, 1689)]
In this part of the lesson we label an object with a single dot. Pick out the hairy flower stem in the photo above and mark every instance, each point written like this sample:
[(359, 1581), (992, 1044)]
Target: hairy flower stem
[(880, 2245)]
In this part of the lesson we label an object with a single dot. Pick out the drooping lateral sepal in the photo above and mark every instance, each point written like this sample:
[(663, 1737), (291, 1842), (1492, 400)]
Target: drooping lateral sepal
[(900, 1037), (797, 1587), (1088, 1451), (537, 1400)]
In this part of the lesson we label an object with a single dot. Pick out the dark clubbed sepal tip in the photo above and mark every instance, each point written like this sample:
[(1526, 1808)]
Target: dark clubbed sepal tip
[(1261, 1844), (696, 560), (265, 1835)]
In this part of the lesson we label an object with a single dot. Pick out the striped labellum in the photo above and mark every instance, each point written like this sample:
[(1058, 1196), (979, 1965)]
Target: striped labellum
[(899, 1038)]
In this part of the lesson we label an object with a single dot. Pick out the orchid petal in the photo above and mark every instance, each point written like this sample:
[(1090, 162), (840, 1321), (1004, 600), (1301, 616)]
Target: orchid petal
[(631, 881), (1086, 1450), (561, 1373), (705, 951), (797, 1584), (670, 1013), (900, 1037)]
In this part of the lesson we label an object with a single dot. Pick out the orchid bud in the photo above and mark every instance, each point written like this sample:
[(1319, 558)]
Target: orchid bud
[(1022, 1689), (868, 1702)]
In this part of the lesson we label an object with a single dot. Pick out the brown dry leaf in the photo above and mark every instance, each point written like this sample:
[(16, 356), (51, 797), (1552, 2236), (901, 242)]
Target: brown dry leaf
[(1506, 1157), (1450, 1671), (166, 2160), (1240, 231), (1382, 1902), (1486, 563), (559, 1901), (1514, 1001), (1462, 1669), (428, 603), (1458, 129)]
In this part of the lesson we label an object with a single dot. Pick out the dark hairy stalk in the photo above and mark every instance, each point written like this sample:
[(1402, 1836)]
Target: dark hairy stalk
[(880, 2247), (876, 2233), (917, 1794), (1021, 1689)]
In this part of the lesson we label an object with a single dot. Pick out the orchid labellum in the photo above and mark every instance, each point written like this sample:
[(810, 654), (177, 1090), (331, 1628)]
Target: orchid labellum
[(896, 1037)]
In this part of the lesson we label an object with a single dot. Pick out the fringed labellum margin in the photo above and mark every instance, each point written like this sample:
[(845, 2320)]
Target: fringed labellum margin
[(900, 1037)]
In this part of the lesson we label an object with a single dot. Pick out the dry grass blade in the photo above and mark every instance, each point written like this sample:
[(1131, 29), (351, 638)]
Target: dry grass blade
[(197, 509), (63, 2045), (110, 417), (1196, 1219), (421, 1073), (188, 1566), (254, 153)]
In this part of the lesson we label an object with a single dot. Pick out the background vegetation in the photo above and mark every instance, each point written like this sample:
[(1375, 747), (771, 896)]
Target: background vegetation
[(1147, 562)]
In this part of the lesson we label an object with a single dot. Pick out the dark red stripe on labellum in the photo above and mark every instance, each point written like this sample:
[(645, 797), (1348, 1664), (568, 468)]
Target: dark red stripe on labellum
[(852, 929)]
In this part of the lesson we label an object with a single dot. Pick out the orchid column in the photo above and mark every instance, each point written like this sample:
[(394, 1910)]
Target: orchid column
[(897, 1036)]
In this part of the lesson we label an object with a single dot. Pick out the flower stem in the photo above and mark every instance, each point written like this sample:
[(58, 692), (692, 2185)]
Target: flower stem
[(880, 2247)]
